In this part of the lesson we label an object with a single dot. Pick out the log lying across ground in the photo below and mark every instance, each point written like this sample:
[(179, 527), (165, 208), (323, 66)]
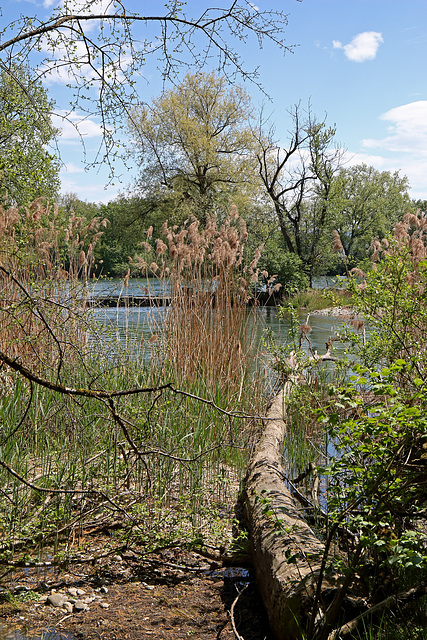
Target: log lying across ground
[(285, 551)]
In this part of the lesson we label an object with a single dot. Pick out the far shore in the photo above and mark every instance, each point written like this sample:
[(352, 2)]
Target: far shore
[(344, 311)]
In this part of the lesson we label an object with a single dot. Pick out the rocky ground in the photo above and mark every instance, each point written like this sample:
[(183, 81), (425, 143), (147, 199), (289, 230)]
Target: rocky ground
[(175, 594)]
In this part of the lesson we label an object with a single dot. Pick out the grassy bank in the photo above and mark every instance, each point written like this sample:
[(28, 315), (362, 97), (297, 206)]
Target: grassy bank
[(315, 299)]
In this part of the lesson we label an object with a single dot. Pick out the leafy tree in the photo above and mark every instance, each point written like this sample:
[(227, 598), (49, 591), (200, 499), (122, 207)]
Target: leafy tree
[(128, 219), (27, 169), (367, 203), (195, 142), (105, 48), (420, 204)]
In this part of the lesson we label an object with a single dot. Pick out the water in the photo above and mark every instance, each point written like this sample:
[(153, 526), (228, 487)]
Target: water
[(11, 633), (132, 328)]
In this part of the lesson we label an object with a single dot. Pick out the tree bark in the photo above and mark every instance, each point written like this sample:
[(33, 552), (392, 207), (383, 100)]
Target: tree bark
[(285, 551)]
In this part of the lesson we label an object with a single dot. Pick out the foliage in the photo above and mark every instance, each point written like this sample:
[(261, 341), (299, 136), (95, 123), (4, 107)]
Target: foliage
[(287, 266), (368, 203), (27, 169), (194, 141), (391, 297), (377, 477), (376, 492), (128, 217)]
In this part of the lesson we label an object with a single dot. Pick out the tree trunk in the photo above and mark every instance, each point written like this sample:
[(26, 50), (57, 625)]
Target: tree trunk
[(286, 553)]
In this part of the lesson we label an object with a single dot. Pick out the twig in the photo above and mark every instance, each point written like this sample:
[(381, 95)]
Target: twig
[(412, 594), (233, 624)]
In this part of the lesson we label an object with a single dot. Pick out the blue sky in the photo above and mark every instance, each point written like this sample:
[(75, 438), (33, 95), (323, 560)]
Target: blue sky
[(360, 63)]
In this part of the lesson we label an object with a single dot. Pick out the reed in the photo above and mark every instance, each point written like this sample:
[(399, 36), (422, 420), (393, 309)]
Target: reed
[(43, 271), (208, 330), (162, 463)]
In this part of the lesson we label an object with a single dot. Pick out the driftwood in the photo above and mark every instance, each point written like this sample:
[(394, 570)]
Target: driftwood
[(285, 551)]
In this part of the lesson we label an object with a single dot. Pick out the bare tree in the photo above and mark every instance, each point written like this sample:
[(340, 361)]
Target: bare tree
[(102, 46), (298, 180)]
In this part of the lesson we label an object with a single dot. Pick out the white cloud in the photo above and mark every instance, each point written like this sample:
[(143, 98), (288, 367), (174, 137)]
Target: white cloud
[(75, 126), (363, 47), (408, 131), (93, 192), (70, 167), (403, 149)]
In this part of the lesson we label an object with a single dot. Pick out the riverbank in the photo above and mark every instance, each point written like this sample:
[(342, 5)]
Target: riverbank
[(174, 594), (345, 311)]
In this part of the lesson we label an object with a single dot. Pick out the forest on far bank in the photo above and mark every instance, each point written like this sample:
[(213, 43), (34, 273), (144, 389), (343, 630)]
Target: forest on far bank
[(199, 150)]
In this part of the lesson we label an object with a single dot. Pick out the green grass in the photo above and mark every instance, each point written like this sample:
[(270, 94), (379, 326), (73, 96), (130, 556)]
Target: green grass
[(315, 299), (152, 460)]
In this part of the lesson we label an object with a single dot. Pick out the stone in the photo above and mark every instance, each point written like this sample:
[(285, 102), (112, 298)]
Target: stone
[(104, 605), (68, 607), (56, 599), (80, 606)]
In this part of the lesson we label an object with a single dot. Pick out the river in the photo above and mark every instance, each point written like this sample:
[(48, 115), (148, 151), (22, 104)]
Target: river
[(130, 328)]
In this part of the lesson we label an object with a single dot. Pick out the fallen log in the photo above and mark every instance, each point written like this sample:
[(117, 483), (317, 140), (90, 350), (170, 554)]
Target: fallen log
[(286, 553)]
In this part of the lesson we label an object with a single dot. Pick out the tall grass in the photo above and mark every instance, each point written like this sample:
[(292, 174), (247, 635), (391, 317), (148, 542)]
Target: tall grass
[(42, 267), (160, 464)]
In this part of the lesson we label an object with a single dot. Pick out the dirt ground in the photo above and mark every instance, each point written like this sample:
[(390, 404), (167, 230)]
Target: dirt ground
[(175, 594)]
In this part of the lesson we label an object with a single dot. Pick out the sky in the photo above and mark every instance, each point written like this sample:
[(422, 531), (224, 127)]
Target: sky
[(361, 64)]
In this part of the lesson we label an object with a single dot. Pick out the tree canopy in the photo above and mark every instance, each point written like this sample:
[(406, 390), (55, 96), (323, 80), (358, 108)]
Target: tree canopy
[(367, 203), (27, 168), (195, 142)]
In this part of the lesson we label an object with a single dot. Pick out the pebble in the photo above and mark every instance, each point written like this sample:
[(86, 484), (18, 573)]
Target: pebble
[(80, 606), (74, 600), (56, 599)]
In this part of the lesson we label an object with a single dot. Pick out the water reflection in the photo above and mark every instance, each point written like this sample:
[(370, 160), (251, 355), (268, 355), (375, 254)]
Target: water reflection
[(131, 330), (10, 633)]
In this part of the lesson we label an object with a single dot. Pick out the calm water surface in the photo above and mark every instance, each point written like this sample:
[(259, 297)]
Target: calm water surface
[(131, 328)]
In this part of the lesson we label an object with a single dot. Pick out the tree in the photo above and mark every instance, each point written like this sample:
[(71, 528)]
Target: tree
[(129, 218), (194, 141), (420, 204), (299, 180), (27, 168), (106, 48), (368, 203)]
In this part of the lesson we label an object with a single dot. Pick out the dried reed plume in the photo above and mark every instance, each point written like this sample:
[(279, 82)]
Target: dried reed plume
[(337, 245), (41, 264), (207, 327)]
